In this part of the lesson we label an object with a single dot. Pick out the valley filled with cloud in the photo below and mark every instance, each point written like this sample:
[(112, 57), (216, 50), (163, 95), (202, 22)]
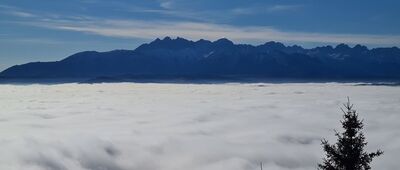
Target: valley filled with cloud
[(129, 126)]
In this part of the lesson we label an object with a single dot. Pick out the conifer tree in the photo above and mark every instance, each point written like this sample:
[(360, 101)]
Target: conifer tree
[(348, 152)]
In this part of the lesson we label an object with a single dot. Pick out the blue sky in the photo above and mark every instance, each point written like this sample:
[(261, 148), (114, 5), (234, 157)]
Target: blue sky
[(48, 30)]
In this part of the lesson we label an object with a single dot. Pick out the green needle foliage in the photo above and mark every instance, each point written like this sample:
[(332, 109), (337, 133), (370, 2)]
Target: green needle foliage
[(348, 152)]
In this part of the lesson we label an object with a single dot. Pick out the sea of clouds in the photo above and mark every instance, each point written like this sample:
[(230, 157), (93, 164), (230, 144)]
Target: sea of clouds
[(128, 126)]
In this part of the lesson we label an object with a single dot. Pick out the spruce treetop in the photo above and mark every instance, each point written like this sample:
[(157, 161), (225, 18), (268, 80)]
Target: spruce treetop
[(348, 152)]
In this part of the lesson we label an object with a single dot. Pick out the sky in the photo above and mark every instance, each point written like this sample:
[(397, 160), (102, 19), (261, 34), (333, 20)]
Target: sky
[(49, 30)]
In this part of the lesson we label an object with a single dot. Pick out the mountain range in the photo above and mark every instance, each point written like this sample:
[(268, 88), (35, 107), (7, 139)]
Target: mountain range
[(174, 58)]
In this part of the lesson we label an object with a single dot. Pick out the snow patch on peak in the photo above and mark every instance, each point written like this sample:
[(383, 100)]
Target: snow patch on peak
[(208, 54)]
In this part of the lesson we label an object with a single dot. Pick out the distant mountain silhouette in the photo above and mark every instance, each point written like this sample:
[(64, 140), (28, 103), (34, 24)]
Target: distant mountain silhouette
[(180, 57)]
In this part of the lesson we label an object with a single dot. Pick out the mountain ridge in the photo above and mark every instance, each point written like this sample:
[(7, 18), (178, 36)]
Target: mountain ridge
[(182, 57)]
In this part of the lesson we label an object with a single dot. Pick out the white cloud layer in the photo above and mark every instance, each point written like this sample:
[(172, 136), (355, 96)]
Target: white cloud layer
[(151, 29), (13, 11), (276, 8), (202, 30), (128, 126)]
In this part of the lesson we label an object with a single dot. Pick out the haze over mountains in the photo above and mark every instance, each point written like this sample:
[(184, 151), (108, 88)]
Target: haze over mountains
[(180, 57)]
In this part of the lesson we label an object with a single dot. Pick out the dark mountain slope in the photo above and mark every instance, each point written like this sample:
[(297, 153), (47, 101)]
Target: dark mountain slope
[(181, 57)]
